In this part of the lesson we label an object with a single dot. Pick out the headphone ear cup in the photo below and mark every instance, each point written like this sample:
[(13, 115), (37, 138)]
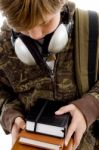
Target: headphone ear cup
[(59, 39), (22, 52)]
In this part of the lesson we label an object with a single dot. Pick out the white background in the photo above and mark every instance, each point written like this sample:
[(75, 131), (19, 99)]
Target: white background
[(5, 140)]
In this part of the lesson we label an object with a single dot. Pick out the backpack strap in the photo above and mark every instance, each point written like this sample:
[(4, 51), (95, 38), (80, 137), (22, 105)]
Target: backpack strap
[(92, 48), (86, 48)]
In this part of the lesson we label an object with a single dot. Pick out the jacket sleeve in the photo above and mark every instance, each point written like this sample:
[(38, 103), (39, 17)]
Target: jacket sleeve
[(89, 106), (10, 106)]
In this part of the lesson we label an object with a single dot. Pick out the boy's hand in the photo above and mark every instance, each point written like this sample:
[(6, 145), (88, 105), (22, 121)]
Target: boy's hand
[(77, 126), (17, 126)]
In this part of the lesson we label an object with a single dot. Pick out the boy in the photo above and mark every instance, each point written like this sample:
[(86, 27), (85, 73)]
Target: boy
[(24, 79)]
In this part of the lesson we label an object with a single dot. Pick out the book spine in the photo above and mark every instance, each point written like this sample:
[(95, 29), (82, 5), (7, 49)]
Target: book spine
[(39, 114)]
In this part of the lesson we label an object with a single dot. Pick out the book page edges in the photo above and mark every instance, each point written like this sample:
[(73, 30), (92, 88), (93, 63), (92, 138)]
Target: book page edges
[(43, 138)]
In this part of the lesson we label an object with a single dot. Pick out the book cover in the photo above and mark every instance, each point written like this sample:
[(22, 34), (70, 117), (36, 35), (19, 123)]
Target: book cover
[(40, 141), (42, 119)]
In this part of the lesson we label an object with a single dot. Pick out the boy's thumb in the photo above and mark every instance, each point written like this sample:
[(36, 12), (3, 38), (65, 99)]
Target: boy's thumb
[(20, 123)]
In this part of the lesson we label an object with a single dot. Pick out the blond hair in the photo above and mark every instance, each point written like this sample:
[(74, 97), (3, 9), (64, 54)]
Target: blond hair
[(25, 14)]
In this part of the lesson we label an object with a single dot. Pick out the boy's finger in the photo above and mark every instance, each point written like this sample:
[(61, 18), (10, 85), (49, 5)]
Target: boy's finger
[(70, 132), (20, 122), (70, 145), (64, 109)]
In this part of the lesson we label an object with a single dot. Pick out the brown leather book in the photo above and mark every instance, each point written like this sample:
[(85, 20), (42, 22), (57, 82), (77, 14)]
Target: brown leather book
[(23, 146), (19, 146), (40, 141)]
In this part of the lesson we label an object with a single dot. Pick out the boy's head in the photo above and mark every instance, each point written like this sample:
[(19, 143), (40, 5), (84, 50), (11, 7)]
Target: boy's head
[(23, 15)]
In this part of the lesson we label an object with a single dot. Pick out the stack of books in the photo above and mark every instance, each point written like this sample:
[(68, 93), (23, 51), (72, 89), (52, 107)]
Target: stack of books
[(44, 129)]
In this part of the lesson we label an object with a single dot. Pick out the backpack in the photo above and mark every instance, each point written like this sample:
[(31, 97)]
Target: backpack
[(86, 48)]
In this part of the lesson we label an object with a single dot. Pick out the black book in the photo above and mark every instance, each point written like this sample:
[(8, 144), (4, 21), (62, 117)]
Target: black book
[(42, 119)]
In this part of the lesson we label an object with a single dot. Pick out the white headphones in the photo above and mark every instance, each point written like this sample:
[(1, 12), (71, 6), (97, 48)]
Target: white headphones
[(57, 43)]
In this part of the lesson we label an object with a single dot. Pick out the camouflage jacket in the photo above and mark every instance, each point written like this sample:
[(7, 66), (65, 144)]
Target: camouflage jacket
[(21, 85)]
